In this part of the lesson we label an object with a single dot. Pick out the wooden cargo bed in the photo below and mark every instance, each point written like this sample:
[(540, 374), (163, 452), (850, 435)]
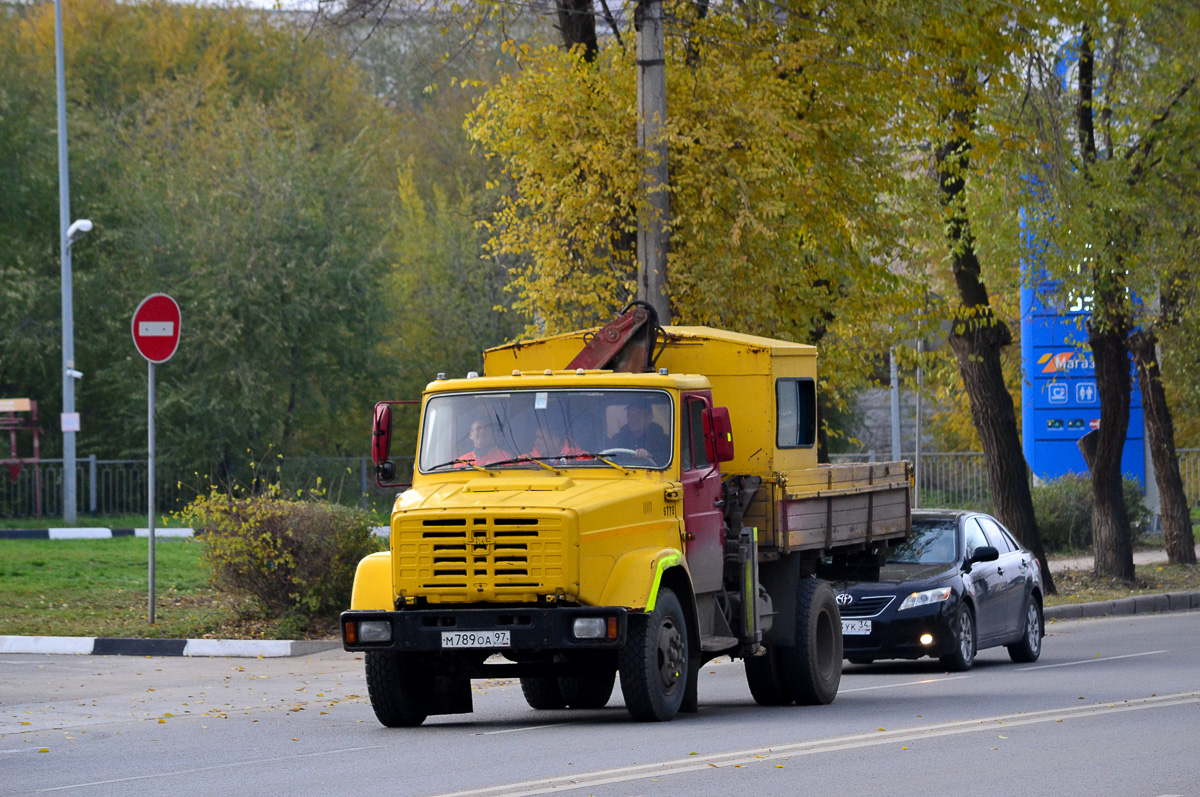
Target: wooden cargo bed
[(832, 508)]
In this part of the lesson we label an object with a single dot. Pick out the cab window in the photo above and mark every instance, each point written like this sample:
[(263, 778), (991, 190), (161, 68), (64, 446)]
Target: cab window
[(695, 452)]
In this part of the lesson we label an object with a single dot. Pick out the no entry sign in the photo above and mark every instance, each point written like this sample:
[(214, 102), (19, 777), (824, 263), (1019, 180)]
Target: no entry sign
[(156, 327)]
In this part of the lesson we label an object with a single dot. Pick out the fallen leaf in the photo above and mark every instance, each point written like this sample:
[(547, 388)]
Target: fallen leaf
[(44, 750)]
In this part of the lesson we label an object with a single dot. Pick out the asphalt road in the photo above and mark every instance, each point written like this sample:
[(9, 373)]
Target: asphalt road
[(1112, 708)]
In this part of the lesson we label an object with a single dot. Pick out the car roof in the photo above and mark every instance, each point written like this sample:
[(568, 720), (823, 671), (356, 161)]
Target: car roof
[(942, 514)]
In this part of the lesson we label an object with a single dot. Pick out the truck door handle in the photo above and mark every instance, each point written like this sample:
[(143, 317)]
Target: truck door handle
[(1000, 571), (719, 502)]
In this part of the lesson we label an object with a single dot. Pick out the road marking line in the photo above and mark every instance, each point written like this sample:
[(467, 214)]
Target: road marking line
[(530, 728), (230, 765), (906, 683), (1091, 661), (759, 755)]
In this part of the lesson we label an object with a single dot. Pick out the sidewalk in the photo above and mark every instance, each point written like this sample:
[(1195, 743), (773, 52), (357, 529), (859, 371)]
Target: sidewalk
[(1059, 563)]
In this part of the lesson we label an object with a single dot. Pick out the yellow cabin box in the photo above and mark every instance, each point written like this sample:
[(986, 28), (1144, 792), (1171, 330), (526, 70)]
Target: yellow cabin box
[(770, 389)]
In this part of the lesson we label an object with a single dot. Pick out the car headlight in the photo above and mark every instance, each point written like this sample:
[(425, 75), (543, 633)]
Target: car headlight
[(925, 598)]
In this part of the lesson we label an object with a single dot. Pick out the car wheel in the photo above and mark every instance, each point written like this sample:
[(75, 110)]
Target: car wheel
[(542, 692), (654, 661), (813, 666), (587, 691), (1030, 646), (963, 656), (398, 687)]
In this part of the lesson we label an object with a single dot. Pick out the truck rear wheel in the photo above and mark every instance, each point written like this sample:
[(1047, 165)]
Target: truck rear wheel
[(813, 666), (542, 692), (654, 661), (768, 684), (398, 686), (587, 691)]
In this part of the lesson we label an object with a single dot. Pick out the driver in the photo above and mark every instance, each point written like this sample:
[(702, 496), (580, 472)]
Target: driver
[(486, 450), (640, 434)]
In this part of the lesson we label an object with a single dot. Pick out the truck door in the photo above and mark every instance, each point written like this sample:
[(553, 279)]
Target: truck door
[(703, 516)]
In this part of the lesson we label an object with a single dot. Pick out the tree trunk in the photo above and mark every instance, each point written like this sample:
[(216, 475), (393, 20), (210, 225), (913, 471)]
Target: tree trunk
[(978, 337), (1160, 434), (577, 24), (1111, 537)]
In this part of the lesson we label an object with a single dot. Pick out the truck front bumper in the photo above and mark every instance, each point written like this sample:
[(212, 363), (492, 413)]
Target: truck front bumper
[(530, 629)]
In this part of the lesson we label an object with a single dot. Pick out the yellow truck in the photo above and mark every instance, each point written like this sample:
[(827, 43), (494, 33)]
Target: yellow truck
[(653, 505)]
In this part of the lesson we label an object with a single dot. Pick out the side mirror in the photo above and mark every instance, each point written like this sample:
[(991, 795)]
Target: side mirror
[(718, 433), (381, 435), (984, 553)]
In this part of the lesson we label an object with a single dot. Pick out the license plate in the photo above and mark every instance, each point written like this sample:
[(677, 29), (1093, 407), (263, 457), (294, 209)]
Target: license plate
[(475, 639), (856, 627)]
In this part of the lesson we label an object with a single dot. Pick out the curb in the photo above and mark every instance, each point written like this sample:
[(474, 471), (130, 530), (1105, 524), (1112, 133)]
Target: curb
[(1137, 604), (90, 533), (117, 646), (104, 533)]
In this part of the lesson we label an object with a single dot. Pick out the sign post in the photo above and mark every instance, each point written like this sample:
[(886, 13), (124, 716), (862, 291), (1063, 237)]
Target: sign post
[(156, 335)]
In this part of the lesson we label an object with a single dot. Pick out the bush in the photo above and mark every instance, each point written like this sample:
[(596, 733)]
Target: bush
[(1063, 508), (297, 558)]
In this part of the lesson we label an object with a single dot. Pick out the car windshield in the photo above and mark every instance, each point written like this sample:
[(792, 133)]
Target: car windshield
[(931, 542), (556, 428)]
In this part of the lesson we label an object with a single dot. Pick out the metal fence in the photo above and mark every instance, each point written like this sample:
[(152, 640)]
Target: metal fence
[(118, 487), (959, 479)]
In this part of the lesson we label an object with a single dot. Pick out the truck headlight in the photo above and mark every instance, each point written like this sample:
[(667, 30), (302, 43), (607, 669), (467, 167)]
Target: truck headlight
[(374, 631), (595, 628), (925, 598)]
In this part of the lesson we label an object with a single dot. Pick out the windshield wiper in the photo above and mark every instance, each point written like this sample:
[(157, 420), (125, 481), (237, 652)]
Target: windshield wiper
[(535, 460), (460, 461)]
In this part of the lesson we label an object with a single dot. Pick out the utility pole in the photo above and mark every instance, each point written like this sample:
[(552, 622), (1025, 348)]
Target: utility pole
[(654, 220)]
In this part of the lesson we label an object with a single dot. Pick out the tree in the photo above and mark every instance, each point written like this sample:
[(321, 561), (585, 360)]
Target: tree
[(1114, 140), (958, 61), (230, 163)]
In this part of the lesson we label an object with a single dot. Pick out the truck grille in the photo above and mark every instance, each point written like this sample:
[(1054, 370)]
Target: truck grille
[(480, 558)]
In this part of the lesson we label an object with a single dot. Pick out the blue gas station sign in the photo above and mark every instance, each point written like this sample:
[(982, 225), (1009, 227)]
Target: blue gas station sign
[(1059, 399)]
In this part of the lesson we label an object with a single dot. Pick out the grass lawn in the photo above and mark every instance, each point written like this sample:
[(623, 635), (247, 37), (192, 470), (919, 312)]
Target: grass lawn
[(100, 588)]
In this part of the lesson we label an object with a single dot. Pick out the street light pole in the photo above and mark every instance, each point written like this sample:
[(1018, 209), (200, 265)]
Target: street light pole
[(67, 231)]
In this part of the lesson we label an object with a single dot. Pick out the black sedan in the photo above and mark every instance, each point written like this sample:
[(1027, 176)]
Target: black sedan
[(960, 583)]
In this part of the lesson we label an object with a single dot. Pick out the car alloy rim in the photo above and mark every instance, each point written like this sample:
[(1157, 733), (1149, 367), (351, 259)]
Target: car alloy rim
[(965, 643), (1033, 628)]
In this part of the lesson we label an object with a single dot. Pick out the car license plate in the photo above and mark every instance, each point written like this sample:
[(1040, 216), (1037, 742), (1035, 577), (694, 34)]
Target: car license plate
[(856, 627), (475, 639)]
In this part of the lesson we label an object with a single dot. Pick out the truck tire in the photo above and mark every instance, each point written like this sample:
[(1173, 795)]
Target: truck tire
[(813, 666), (654, 661), (963, 656), (398, 686), (542, 692), (587, 691), (764, 675)]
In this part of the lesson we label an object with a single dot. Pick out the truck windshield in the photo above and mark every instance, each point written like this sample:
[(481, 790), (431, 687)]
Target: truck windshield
[(561, 428)]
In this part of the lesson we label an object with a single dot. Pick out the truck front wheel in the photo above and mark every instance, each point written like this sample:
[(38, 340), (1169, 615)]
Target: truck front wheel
[(813, 666), (398, 687), (654, 661)]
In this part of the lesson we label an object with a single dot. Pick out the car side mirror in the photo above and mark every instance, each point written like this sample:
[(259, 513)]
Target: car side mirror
[(984, 553), (381, 434)]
